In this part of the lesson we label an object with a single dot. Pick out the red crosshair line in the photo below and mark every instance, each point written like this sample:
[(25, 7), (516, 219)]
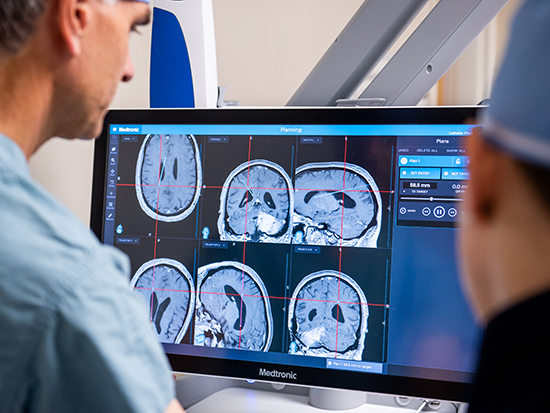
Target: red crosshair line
[(265, 296), (341, 244), (244, 244), (161, 165), (261, 188)]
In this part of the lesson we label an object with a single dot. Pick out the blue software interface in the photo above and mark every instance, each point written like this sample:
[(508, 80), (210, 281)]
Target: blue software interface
[(316, 245)]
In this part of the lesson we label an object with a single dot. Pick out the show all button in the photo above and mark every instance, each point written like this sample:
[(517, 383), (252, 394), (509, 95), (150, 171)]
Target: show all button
[(420, 173)]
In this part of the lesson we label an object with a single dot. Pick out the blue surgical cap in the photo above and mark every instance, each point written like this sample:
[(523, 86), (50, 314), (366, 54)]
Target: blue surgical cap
[(518, 119)]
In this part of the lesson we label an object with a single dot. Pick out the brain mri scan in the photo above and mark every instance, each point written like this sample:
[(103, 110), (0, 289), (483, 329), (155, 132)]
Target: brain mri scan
[(336, 203), (168, 176), (256, 204), (328, 316), (168, 290), (232, 308)]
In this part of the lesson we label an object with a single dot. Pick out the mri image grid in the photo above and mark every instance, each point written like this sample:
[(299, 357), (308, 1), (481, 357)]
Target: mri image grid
[(249, 180), (338, 307), (163, 273), (159, 186), (240, 297), (260, 243), (343, 190)]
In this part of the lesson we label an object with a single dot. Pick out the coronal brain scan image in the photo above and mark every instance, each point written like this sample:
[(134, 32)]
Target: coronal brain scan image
[(328, 316), (232, 308), (168, 290), (168, 176), (256, 204), (336, 204)]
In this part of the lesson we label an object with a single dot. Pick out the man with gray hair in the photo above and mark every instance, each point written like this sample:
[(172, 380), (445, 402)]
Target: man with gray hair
[(73, 336), (505, 240)]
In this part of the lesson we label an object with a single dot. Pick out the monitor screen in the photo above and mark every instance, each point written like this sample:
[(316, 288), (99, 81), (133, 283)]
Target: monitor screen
[(307, 246)]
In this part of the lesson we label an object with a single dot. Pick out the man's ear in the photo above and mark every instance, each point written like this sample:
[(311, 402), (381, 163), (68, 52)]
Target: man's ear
[(72, 18), (484, 182)]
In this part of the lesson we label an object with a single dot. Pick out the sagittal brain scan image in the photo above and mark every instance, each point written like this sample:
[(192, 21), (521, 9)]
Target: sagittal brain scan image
[(336, 203), (328, 317), (168, 290), (232, 308), (168, 176), (256, 204)]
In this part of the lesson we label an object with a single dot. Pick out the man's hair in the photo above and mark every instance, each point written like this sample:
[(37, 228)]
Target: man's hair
[(17, 22)]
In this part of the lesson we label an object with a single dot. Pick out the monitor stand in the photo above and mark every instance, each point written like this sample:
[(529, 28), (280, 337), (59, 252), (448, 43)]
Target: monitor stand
[(205, 395)]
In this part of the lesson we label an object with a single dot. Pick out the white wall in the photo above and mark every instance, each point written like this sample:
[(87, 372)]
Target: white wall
[(265, 49)]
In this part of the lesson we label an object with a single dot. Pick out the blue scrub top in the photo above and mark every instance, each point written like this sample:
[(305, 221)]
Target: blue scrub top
[(73, 336)]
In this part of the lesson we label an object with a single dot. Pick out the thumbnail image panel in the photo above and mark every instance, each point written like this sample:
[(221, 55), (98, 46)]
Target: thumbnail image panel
[(342, 191), (336, 204), (256, 204), (238, 305), (164, 173), (166, 284), (328, 316), (233, 310), (168, 176), (338, 306), (247, 190)]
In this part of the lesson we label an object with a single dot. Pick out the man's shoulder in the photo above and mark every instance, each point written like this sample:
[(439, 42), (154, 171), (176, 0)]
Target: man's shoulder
[(46, 250)]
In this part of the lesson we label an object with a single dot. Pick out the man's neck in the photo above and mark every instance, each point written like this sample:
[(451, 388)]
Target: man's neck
[(25, 102)]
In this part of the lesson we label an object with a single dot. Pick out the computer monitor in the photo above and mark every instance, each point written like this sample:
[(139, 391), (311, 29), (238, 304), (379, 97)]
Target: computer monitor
[(312, 246)]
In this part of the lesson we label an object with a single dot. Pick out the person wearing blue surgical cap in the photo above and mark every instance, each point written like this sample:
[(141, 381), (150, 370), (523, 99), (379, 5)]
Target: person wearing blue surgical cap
[(505, 241), (73, 336)]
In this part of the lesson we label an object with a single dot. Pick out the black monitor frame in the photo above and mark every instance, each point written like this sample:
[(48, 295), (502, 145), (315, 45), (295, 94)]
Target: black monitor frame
[(378, 383)]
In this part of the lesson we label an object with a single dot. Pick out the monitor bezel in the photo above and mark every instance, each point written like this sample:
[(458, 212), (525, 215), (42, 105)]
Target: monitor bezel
[(307, 376)]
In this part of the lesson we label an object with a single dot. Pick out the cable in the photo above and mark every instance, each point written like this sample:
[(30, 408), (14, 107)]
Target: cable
[(424, 404)]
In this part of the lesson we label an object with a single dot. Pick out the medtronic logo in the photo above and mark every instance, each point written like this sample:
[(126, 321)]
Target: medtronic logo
[(127, 129), (279, 374)]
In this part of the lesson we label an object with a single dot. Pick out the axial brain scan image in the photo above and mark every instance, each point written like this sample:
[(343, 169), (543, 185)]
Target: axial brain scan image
[(168, 290), (232, 308), (168, 176), (256, 204), (328, 317), (336, 204)]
